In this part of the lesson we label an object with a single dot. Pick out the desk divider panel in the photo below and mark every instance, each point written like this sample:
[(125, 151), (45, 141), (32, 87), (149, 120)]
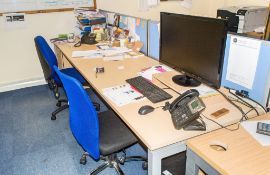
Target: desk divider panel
[(138, 28), (261, 83), (153, 39)]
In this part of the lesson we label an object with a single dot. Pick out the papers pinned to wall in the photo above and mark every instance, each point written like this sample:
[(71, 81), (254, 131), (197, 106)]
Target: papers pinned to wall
[(144, 5), (14, 20), (186, 3), (110, 17), (242, 60)]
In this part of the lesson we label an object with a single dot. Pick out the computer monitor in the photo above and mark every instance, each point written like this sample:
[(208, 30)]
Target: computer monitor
[(193, 45)]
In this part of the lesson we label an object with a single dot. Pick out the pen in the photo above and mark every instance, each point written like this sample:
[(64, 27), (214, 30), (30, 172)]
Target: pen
[(138, 98)]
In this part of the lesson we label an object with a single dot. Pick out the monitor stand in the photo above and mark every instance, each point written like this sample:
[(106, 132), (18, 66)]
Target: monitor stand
[(184, 80)]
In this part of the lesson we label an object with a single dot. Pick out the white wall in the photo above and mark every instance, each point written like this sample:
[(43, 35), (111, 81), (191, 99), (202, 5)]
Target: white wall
[(200, 7), (18, 57), (248, 2)]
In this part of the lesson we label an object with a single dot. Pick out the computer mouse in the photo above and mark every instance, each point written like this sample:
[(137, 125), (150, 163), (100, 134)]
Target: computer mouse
[(146, 109)]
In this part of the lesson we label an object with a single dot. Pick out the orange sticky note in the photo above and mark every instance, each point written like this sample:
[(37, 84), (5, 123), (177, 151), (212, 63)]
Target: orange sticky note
[(138, 21)]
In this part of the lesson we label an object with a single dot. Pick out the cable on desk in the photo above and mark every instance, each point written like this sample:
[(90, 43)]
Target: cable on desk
[(159, 107), (238, 101), (245, 96), (168, 87), (256, 103), (240, 109), (244, 102), (225, 127)]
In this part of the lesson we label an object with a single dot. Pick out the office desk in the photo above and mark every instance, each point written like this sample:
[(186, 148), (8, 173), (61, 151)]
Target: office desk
[(156, 129), (243, 156)]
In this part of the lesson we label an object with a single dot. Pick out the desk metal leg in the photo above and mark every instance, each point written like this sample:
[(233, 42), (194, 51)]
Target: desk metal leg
[(155, 156), (194, 162)]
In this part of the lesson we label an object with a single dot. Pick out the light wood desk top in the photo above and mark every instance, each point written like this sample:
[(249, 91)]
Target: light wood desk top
[(243, 156), (156, 129)]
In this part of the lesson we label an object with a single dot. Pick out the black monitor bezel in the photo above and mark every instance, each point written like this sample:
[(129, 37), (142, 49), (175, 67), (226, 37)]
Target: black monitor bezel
[(215, 85)]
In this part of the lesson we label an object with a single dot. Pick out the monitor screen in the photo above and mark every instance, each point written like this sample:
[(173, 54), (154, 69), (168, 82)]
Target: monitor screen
[(193, 45)]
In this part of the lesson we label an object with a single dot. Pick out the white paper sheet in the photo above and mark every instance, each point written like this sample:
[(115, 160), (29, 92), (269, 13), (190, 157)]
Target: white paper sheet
[(122, 95), (153, 2), (110, 18), (13, 21), (242, 61), (148, 72), (251, 127), (87, 54), (110, 52), (143, 5), (186, 3), (204, 91)]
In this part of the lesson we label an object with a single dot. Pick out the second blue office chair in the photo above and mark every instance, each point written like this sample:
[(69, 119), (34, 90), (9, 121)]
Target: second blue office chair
[(48, 60), (101, 135)]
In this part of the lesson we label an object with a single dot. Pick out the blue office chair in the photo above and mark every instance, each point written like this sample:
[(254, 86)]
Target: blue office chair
[(48, 60), (101, 135)]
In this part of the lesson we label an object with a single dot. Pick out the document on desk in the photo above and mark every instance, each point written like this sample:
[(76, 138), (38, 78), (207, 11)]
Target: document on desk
[(204, 91), (122, 94), (150, 71), (114, 53), (242, 60), (87, 54), (251, 127)]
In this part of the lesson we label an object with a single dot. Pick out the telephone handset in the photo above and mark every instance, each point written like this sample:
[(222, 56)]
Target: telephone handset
[(186, 108), (87, 38)]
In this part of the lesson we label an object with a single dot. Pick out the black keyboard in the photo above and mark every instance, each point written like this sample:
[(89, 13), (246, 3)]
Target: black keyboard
[(148, 89)]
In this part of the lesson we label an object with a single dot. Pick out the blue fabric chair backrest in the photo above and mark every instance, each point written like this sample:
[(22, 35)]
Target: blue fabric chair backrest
[(49, 55), (84, 121)]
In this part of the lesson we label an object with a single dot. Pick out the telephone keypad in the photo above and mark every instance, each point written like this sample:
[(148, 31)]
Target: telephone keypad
[(182, 116)]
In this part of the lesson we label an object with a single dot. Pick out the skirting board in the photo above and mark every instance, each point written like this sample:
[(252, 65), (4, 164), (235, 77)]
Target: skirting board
[(22, 84)]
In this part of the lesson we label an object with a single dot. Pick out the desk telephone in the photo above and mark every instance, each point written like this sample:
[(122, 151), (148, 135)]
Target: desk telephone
[(186, 108), (87, 38)]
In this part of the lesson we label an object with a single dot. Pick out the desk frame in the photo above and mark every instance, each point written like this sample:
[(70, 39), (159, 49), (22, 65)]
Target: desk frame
[(155, 156), (195, 162), (156, 152)]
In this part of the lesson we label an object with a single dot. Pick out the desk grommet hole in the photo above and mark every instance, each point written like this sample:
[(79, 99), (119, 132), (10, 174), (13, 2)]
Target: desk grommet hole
[(218, 145)]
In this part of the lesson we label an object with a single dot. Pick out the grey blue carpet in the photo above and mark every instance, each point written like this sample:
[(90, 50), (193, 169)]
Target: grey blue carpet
[(32, 144)]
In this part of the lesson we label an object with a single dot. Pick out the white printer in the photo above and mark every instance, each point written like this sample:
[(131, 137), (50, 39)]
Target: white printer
[(243, 19)]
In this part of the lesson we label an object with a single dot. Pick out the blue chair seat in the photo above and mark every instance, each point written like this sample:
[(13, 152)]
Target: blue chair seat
[(74, 73), (113, 140)]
